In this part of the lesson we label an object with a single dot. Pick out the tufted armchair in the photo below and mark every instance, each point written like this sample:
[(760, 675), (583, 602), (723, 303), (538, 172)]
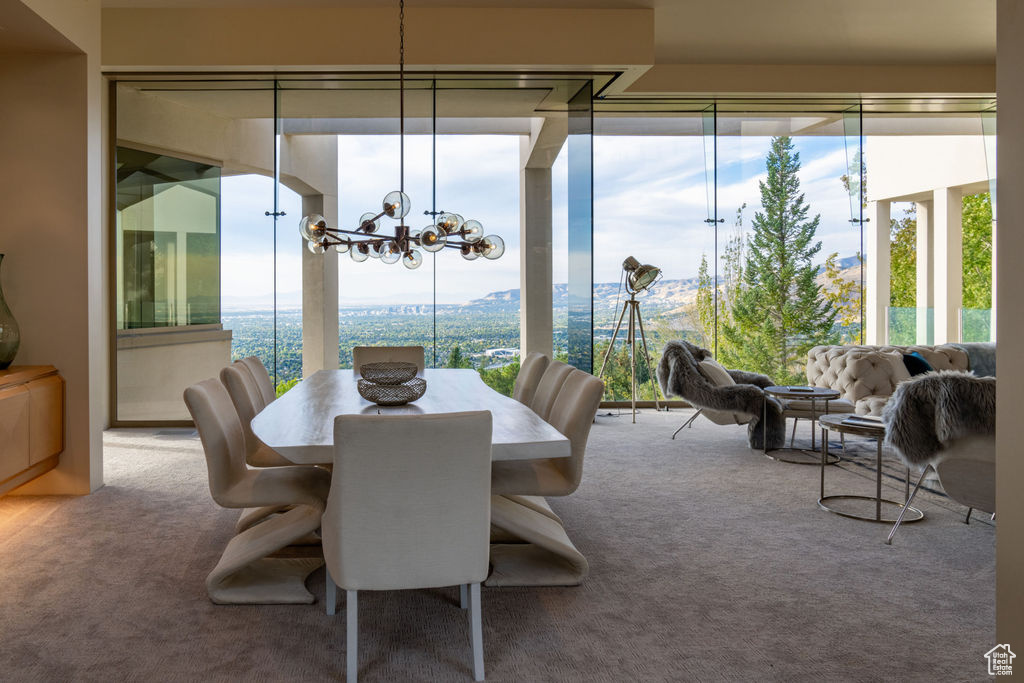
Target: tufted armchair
[(868, 375)]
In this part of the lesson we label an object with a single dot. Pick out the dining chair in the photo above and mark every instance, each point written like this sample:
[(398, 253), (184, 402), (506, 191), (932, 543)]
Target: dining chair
[(262, 379), (409, 508), (362, 355), (572, 414), (245, 574), (530, 372), (547, 389), (246, 397)]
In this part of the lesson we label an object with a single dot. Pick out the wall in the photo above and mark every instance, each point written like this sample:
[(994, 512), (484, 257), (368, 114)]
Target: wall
[(45, 237), (1010, 331)]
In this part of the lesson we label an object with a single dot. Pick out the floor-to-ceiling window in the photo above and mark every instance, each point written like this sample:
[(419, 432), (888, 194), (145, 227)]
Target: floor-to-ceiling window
[(282, 149)]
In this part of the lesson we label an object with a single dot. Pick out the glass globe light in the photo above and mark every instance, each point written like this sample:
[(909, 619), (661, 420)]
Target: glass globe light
[(469, 253), (412, 259), (313, 227), (457, 222), (396, 204), (342, 247), (315, 247), (472, 231), (446, 222), (360, 253), (390, 253), (369, 223), (492, 247), (375, 249), (433, 239)]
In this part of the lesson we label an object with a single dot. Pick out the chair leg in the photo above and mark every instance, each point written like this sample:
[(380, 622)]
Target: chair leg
[(689, 422), (906, 506), (331, 594), (793, 437), (968, 518), (351, 636), (476, 629), (463, 595)]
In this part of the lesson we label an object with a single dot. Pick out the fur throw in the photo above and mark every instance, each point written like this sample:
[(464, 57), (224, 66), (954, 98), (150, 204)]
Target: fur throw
[(679, 375), (928, 412)]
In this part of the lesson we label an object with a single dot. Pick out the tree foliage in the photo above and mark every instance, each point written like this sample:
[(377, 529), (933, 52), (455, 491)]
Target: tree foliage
[(780, 312)]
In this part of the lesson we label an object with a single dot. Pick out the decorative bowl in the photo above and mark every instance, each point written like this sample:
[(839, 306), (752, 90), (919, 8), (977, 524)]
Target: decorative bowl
[(392, 394), (388, 372)]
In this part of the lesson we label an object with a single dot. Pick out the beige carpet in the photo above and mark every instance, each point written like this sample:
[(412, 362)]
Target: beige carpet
[(707, 562)]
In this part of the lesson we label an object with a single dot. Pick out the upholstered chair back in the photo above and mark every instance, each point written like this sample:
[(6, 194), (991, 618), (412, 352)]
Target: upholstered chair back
[(263, 382), (410, 501), (245, 396), (362, 355), (221, 434), (530, 372), (573, 414), (547, 389)]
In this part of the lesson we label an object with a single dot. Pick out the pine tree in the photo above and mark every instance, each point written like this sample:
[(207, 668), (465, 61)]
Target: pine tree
[(779, 313)]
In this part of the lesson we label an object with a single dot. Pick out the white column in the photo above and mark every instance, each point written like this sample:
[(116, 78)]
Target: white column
[(949, 264), (319, 293), (537, 153), (925, 275), (876, 243)]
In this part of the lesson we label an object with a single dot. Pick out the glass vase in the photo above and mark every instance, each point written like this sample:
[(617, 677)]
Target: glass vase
[(10, 336)]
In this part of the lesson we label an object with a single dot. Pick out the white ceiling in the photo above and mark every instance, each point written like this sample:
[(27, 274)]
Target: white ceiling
[(759, 31)]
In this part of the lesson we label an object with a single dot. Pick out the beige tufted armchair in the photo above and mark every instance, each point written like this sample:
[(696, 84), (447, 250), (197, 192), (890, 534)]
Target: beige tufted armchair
[(867, 375)]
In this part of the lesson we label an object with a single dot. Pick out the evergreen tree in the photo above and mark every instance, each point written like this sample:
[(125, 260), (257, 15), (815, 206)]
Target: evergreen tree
[(779, 313)]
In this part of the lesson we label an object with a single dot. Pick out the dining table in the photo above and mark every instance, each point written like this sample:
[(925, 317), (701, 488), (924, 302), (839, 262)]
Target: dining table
[(529, 544)]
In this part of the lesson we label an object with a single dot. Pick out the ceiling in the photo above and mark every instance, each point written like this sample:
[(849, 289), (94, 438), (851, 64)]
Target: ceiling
[(758, 31)]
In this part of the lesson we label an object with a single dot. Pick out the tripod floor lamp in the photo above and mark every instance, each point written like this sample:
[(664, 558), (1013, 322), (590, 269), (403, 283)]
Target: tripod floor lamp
[(638, 278)]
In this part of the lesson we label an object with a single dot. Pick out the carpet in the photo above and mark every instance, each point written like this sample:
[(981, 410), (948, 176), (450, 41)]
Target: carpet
[(708, 562)]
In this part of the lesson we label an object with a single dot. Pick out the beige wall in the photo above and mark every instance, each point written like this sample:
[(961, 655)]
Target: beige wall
[(46, 235), (1010, 330)]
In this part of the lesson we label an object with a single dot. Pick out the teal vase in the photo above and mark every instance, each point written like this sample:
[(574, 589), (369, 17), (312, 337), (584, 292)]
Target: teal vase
[(10, 336)]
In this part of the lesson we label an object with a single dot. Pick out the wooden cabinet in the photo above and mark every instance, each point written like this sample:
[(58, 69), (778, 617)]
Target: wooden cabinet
[(31, 423)]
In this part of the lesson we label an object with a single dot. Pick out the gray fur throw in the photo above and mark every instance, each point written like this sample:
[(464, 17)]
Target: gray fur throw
[(679, 375), (928, 412)]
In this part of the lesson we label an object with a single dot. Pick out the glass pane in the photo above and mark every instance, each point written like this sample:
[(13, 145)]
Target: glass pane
[(189, 236), (783, 176), (581, 229)]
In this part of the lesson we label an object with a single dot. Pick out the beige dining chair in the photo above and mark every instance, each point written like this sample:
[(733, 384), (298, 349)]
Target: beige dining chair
[(409, 508), (530, 372), (362, 355), (245, 396), (262, 379), (572, 414), (547, 389), (245, 574)]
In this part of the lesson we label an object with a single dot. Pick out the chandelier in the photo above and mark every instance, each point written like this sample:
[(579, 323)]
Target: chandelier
[(448, 231)]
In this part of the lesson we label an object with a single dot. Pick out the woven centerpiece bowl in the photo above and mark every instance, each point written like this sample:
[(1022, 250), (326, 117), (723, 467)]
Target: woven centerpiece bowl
[(392, 394), (391, 372)]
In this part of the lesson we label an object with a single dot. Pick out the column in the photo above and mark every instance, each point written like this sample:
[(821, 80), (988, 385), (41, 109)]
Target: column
[(319, 292), (925, 275), (949, 264), (537, 153), (876, 243)]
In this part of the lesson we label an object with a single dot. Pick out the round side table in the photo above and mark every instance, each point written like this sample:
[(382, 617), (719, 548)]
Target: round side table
[(800, 393), (846, 424)]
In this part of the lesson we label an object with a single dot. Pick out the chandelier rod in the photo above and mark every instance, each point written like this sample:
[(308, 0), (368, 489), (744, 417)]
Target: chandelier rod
[(401, 95)]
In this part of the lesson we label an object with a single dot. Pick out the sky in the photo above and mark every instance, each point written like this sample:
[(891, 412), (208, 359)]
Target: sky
[(651, 199)]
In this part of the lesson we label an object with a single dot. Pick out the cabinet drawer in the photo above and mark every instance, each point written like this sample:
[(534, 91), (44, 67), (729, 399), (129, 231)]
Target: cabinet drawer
[(14, 431), (46, 437)]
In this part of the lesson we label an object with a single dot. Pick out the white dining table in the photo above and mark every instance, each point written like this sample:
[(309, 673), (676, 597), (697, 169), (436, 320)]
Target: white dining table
[(300, 424)]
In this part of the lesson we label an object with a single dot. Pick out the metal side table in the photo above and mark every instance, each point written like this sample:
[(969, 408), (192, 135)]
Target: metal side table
[(843, 424), (800, 393)]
